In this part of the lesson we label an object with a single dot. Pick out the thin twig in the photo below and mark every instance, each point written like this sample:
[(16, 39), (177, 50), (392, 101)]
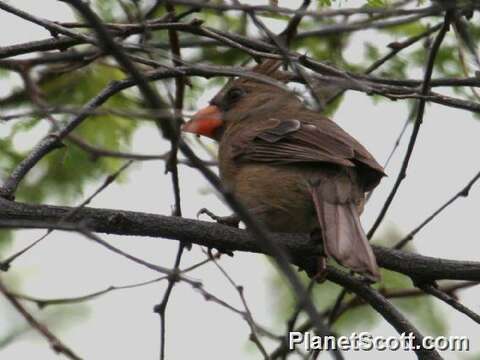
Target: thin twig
[(249, 317), (462, 193), (56, 344), (5, 264), (42, 303), (172, 167), (418, 122), (450, 300)]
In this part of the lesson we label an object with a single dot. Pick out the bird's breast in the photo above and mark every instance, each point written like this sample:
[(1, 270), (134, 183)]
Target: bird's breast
[(277, 196)]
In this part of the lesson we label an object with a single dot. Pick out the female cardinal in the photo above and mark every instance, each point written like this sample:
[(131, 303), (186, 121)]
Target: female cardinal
[(295, 170)]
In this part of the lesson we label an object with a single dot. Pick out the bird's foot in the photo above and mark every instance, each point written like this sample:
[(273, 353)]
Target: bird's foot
[(368, 279), (232, 220), (219, 253), (316, 268), (321, 275)]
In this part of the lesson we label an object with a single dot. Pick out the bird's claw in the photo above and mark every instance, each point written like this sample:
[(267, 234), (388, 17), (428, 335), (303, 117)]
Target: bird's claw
[(231, 220), (206, 212), (321, 275), (221, 252)]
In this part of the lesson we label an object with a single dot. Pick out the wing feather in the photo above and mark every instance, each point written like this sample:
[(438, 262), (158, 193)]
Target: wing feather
[(291, 141)]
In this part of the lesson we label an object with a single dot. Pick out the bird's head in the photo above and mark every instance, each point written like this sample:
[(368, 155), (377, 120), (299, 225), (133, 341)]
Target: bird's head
[(239, 99)]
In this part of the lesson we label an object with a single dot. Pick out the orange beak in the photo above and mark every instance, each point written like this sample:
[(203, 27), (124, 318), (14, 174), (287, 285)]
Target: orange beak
[(205, 122)]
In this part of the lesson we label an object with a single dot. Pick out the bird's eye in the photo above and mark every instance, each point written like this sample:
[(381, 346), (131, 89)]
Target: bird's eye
[(234, 94)]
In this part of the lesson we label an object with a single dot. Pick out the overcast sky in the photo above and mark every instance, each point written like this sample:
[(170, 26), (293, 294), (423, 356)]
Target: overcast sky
[(122, 326)]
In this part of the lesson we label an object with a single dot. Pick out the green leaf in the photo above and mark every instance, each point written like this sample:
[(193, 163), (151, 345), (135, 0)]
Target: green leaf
[(377, 3), (324, 3), (4, 74), (425, 314), (358, 319), (64, 172), (6, 238)]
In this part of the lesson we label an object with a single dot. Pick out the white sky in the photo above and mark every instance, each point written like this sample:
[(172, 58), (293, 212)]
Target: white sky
[(122, 326)]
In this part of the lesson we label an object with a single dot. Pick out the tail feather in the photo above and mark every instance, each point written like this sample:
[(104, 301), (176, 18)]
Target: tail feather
[(343, 236)]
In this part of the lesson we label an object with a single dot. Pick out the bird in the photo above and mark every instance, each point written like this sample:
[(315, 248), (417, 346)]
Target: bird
[(295, 170)]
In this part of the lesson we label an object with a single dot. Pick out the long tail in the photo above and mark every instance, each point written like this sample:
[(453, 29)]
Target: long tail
[(343, 236)]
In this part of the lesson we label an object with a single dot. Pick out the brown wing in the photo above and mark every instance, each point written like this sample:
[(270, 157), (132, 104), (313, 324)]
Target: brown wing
[(319, 141)]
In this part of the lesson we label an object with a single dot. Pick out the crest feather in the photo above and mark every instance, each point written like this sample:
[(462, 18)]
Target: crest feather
[(270, 67)]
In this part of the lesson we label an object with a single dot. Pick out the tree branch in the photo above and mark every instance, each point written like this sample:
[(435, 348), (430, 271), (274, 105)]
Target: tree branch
[(300, 247), (383, 306)]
